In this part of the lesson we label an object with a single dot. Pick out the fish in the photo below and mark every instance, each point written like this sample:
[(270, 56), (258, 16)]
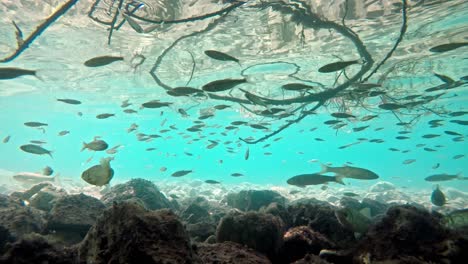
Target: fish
[(113, 150), (69, 101), (368, 117), (35, 124), (183, 91), (402, 137), (163, 169), (430, 136), (6, 139), (132, 22), (332, 122), (448, 47), (155, 104), (444, 78), (102, 61), (391, 106), (47, 171), (125, 103), (222, 85), (429, 149), (319, 139), (212, 182), (38, 142), (337, 66), (32, 178), (350, 194), (35, 149), (436, 166), (354, 220), (221, 56), (237, 174), (130, 111), (221, 107), (442, 177), (303, 180), (12, 73), (182, 112), (350, 172), (459, 156), (238, 123), (99, 175), (247, 154), (181, 173), (460, 122), (376, 93), (296, 87), (409, 161), (63, 133), (342, 115), (258, 126), (438, 197), (104, 116), (96, 145), (458, 113), (361, 128)]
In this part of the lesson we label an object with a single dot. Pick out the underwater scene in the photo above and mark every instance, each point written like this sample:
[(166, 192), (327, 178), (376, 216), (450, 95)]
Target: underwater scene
[(226, 131)]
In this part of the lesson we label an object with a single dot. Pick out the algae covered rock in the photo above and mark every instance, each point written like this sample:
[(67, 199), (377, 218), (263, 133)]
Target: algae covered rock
[(128, 233), (253, 200), (229, 253), (139, 191)]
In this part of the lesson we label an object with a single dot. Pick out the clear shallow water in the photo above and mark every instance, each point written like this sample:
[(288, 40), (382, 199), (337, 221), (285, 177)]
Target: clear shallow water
[(255, 37)]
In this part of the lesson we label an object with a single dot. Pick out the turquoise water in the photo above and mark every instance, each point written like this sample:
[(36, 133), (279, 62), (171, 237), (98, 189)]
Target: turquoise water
[(102, 90)]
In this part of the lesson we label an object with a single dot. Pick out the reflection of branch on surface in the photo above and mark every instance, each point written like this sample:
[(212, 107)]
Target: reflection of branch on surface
[(114, 20), (23, 45)]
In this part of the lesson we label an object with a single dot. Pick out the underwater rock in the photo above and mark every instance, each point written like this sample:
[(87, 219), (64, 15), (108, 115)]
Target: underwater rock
[(34, 248), (5, 237), (201, 231), (382, 187), (196, 211), (320, 217), (129, 233), (311, 259), (229, 253), (280, 211), (201, 218), (74, 215), (18, 219), (407, 234), (376, 207), (45, 198), (261, 232), (140, 190), (252, 200), (26, 195), (300, 241)]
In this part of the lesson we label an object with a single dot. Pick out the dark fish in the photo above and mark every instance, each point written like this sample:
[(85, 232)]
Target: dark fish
[(155, 104), (237, 174), (391, 106), (438, 197), (63, 133), (104, 116), (393, 149), (376, 93), (458, 113), (337, 66), (350, 194), (35, 149), (368, 117), (181, 173), (130, 111), (444, 78), (212, 182), (247, 154), (332, 122), (458, 139), (459, 156), (409, 161), (460, 122), (221, 107), (222, 85), (429, 149), (182, 112), (442, 177), (183, 91), (448, 47), (303, 180), (96, 145), (431, 136), (258, 126), (203, 117), (436, 166), (230, 127), (6, 139), (35, 124), (38, 142), (402, 137), (99, 175), (296, 87), (102, 61), (69, 101), (342, 115), (319, 139), (357, 129), (11, 73), (221, 56)]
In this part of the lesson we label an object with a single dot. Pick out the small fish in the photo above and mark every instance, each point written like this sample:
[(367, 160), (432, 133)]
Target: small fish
[(368, 117), (238, 123), (444, 78), (35, 149), (6, 139), (102, 61), (35, 124), (459, 156), (402, 137), (132, 128), (357, 129), (47, 171), (163, 169), (409, 161), (247, 154), (99, 175), (438, 197), (125, 103), (297, 87), (155, 104), (442, 177), (436, 166), (221, 56), (181, 173), (460, 122), (391, 106), (350, 194), (221, 107), (337, 66), (69, 101), (38, 142), (182, 112), (236, 174), (212, 182), (458, 113), (303, 180), (350, 172), (222, 85), (11, 73), (113, 150), (393, 149), (258, 126), (448, 47), (430, 136), (104, 116), (342, 115), (319, 139), (96, 145), (332, 122), (429, 149), (130, 111), (183, 91), (63, 133)]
